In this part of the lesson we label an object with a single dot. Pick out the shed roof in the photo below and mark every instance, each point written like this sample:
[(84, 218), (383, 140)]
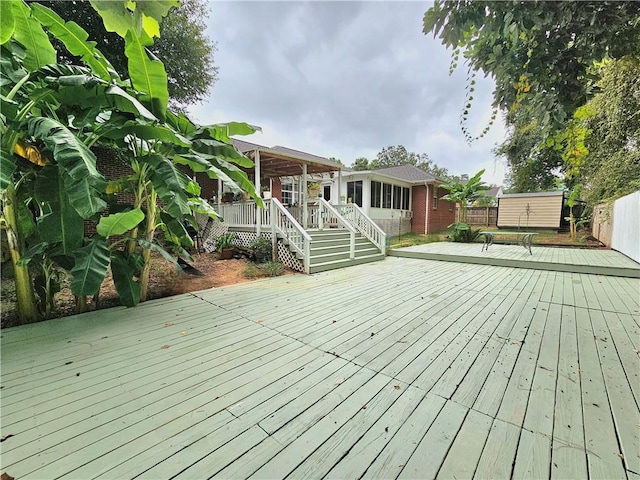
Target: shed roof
[(281, 161), (533, 194)]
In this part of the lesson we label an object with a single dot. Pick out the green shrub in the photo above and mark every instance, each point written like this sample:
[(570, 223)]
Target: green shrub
[(251, 271), (272, 269), (462, 232)]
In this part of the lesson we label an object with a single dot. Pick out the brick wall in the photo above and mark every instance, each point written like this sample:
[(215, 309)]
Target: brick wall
[(418, 205), (443, 215)]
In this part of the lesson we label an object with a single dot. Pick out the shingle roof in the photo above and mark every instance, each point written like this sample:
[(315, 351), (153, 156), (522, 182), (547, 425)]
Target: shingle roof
[(408, 173)]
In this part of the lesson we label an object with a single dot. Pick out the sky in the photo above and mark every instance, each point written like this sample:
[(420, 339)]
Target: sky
[(344, 80)]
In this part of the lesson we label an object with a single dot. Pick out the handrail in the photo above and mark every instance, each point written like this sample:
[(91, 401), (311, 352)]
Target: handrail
[(367, 227), (283, 223), (324, 206)]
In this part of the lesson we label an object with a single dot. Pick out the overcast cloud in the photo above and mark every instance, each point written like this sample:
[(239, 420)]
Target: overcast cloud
[(344, 80)]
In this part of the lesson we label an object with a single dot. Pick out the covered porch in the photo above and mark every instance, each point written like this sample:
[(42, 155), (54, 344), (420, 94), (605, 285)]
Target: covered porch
[(306, 230)]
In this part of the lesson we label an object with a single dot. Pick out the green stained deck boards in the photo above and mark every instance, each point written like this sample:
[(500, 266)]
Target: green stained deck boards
[(471, 370)]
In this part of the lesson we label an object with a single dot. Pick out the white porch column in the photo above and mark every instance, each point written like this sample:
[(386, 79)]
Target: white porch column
[(303, 197), (256, 182), (340, 187)]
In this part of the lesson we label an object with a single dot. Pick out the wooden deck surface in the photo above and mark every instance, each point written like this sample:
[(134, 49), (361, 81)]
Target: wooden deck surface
[(573, 260), (404, 368)]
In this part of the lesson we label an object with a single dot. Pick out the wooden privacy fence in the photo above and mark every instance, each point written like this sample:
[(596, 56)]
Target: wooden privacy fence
[(482, 216)]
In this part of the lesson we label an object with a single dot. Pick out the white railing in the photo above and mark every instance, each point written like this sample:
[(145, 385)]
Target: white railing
[(367, 227), (244, 214), (284, 225), (326, 216)]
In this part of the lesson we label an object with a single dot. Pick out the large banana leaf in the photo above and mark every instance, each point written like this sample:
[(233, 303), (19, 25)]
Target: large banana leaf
[(181, 123), (123, 270), (76, 39), (199, 205), (223, 131), (70, 153), (119, 223), (147, 74), (84, 196), (174, 230), (122, 16), (7, 21), (81, 177), (222, 150), (29, 32), (92, 262), (157, 133), (61, 223), (7, 169), (154, 247)]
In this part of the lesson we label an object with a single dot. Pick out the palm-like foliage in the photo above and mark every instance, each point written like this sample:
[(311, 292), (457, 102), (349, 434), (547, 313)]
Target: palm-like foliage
[(51, 116)]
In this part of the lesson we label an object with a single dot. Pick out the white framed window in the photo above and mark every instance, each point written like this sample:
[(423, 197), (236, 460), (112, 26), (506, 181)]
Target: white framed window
[(290, 192), (434, 203)]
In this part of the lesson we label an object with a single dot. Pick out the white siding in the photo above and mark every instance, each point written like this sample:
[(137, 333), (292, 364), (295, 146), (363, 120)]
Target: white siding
[(544, 211)]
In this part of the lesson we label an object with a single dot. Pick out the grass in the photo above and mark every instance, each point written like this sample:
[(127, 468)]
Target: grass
[(409, 239)]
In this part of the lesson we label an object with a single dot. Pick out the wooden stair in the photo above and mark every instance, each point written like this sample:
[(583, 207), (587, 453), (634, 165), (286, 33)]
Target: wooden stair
[(330, 250)]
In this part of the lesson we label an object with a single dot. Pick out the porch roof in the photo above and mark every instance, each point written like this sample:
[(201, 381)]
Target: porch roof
[(284, 162)]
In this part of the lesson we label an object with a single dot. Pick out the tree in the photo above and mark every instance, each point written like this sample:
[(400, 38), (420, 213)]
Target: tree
[(361, 164), (601, 145), (464, 194), (541, 55), (183, 47), (538, 52)]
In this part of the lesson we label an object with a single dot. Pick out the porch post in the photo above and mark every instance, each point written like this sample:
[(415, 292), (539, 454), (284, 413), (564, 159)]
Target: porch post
[(256, 182), (340, 187), (303, 197)]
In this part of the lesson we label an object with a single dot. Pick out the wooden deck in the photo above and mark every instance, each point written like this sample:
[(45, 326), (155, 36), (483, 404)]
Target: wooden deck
[(404, 368), (557, 259)]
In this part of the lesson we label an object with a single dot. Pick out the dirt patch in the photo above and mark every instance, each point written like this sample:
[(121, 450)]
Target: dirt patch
[(165, 280)]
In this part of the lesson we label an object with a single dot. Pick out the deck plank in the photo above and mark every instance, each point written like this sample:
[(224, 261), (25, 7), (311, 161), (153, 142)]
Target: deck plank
[(428, 456), (568, 454), (499, 452), (533, 457), (603, 454), (463, 456), (397, 452), (622, 403)]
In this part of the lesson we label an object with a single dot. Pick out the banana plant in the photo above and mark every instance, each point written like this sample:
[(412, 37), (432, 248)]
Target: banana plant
[(52, 114)]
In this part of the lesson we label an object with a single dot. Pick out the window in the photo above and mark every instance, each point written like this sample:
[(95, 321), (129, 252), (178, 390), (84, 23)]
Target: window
[(354, 192), (290, 193), (376, 194), (397, 197), (386, 195), (435, 197), (405, 198)]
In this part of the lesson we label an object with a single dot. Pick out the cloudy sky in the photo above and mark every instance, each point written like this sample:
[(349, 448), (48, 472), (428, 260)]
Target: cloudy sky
[(345, 79)]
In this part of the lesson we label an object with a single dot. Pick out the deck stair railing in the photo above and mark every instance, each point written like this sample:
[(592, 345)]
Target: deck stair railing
[(367, 227), (283, 225), (325, 215)]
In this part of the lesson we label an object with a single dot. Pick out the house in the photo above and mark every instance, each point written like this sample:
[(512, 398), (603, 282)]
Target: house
[(308, 233), (533, 210), (398, 199)]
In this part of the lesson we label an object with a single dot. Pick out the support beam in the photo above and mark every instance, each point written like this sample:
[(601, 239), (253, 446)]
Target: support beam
[(340, 202), (303, 196), (256, 182)]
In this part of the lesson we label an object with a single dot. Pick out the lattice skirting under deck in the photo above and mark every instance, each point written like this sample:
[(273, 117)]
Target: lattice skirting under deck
[(214, 228)]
